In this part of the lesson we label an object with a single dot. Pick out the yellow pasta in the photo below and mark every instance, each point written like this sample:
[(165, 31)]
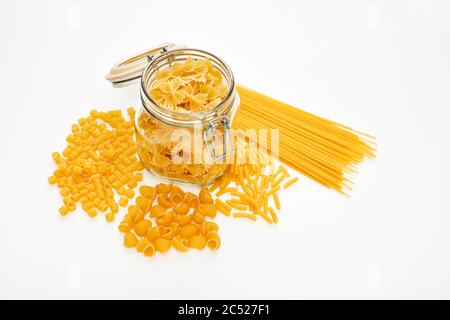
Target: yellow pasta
[(225, 190), (63, 210), (208, 210), (323, 150), (273, 215), (276, 200), (148, 192), (143, 203), (123, 202), (189, 230), (290, 182), (197, 242), (163, 188), (130, 240), (149, 250), (244, 215), (100, 160), (162, 244), (174, 225), (213, 240), (181, 209), (205, 196), (154, 233), (164, 200), (157, 211), (142, 227), (184, 219), (236, 205), (181, 244), (165, 219), (198, 218), (176, 199), (142, 244)]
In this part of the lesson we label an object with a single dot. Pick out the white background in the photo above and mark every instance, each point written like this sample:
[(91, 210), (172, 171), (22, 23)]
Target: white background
[(382, 67)]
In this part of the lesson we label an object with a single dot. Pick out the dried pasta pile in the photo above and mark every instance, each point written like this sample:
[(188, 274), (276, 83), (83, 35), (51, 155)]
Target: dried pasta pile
[(166, 216), (193, 85), (100, 164), (100, 158), (189, 86), (156, 148), (322, 150), (251, 185)]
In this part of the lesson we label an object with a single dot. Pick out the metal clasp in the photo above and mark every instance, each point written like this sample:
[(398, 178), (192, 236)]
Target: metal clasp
[(208, 137)]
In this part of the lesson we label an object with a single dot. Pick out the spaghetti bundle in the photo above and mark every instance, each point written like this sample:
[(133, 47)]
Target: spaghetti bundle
[(321, 149)]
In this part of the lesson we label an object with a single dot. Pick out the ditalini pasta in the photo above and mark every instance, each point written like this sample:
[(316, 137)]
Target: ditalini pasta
[(100, 160), (323, 150)]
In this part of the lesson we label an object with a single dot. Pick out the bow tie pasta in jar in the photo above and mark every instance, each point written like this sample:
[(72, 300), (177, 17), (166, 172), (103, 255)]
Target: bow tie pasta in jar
[(188, 101)]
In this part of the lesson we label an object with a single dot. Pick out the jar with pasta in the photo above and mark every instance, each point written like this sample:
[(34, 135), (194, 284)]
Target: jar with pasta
[(188, 102)]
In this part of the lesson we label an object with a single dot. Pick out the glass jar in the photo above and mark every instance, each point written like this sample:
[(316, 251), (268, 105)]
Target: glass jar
[(193, 147)]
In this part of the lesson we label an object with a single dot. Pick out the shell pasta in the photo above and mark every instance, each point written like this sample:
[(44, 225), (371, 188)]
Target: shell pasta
[(156, 223)]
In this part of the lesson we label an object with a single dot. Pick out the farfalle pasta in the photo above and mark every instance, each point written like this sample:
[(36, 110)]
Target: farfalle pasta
[(189, 87)]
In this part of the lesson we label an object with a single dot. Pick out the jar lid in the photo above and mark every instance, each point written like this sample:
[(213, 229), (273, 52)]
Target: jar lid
[(130, 70)]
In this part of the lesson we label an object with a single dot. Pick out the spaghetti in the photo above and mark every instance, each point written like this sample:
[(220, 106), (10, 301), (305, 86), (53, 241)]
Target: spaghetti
[(321, 149)]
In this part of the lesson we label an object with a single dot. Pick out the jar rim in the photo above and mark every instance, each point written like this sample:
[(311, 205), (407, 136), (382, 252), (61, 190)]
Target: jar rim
[(156, 110)]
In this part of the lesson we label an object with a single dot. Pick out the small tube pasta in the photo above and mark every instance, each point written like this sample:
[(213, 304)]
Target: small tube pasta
[(225, 190), (278, 181), (265, 217), (290, 182), (272, 191), (236, 205), (273, 215), (109, 217), (123, 202), (276, 200), (63, 210), (244, 215), (285, 172)]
